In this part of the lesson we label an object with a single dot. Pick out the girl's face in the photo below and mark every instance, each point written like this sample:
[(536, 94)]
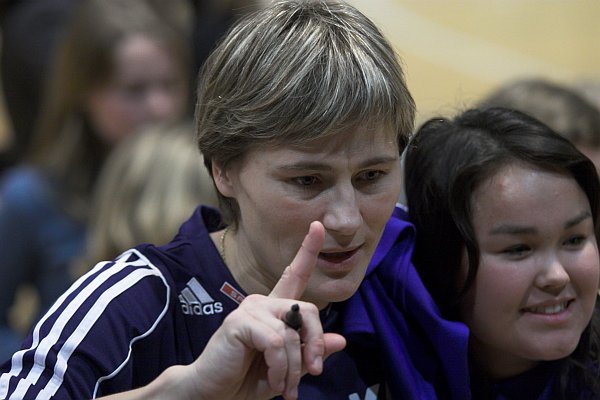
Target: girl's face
[(147, 86), (536, 285), (350, 182)]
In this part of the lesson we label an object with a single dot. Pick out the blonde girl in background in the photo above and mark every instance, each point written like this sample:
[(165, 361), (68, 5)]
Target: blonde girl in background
[(150, 185), (119, 66)]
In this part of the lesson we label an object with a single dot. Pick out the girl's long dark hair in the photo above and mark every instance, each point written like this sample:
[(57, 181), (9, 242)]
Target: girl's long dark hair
[(445, 162)]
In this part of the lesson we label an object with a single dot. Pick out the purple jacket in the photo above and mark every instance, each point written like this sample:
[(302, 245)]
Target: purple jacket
[(423, 355)]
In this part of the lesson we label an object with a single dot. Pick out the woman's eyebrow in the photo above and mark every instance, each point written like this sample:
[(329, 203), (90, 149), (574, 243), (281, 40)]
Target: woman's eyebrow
[(306, 165), (379, 160), (316, 165)]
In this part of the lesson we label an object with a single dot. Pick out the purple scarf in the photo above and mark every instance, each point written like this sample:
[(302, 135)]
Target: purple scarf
[(423, 355)]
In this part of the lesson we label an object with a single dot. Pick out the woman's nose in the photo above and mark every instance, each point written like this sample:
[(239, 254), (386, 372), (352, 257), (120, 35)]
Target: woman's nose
[(343, 214)]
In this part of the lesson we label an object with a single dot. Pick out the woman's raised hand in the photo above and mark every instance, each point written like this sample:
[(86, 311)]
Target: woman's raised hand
[(254, 354)]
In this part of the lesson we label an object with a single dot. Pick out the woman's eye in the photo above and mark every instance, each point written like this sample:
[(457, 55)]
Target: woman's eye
[(306, 180), (372, 175)]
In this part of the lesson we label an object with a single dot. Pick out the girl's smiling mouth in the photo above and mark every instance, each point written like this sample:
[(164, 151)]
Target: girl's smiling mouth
[(549, 309)]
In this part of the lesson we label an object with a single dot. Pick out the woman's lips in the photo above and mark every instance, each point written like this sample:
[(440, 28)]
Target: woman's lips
[(338, 256), (338, 262)]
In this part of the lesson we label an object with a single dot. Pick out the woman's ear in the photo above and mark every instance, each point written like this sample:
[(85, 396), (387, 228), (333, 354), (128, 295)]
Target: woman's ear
[(222, 179)]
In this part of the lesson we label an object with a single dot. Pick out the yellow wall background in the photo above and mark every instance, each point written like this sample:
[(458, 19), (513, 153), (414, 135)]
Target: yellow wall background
[(455, 52)]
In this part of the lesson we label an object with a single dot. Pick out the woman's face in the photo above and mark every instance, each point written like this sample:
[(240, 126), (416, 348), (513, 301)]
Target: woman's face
[(536, 285), (147, 86), (350, 182)]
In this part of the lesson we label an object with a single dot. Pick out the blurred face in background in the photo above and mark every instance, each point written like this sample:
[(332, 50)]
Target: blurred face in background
[(147, 86)]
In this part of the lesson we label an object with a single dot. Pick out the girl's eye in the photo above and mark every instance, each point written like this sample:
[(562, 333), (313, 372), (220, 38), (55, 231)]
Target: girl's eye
[(517, 251), (575, 241), (306, 180)]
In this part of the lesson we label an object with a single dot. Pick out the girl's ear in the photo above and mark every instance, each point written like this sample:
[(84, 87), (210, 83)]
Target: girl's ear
[(222, 179)]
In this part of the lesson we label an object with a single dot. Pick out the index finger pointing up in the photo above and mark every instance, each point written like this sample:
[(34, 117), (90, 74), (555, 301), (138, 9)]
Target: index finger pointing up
[(295, 277)]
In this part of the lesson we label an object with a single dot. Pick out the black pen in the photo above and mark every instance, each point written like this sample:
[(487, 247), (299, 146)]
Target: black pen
[(293, 318)]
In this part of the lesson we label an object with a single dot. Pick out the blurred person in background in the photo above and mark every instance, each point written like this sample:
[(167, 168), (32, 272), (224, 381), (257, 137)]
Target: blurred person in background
[(211, 19), (119, 66), (149, 185), (557, 105), (590, 89), (31, 29)]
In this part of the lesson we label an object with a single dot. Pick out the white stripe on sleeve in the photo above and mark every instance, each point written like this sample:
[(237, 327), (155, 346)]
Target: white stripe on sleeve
[(45, 345)]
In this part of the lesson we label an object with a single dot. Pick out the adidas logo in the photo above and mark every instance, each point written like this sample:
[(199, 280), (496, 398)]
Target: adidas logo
[(195, 300)]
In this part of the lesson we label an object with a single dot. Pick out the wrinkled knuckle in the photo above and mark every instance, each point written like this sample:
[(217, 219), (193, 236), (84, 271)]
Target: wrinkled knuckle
[(234, 318), (252, 300), (311, 309), (252, 303), (295, 373), (292, 337), (276, 341), (287, 271), (318, 345)]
